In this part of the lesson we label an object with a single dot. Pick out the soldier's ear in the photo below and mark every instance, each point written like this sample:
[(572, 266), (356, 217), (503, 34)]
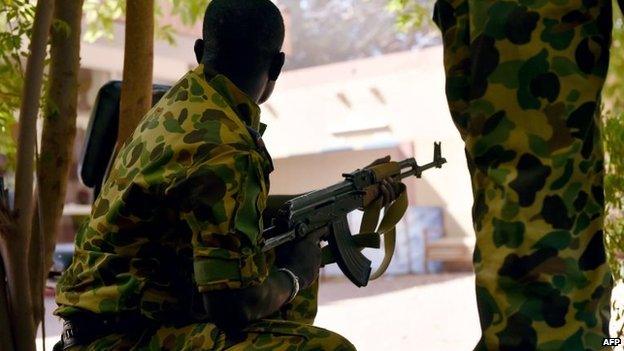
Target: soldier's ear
[(199, 50), (276, 66)]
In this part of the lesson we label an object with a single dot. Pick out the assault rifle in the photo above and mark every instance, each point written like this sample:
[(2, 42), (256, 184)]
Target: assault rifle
[(329, 208)]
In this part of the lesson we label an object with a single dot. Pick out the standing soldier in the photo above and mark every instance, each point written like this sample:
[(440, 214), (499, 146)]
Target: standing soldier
[(523, 85), (171, 257)]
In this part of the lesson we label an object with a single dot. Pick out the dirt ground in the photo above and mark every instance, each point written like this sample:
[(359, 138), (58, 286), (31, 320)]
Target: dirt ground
[(415, 312)]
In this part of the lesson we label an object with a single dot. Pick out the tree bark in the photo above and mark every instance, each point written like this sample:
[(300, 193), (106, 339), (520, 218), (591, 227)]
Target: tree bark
[(136, 91), (15, 243), (5, 321), (7, 226), (57, 140)]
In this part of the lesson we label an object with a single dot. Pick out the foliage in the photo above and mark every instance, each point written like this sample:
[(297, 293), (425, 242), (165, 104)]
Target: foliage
[(102, 15), (614, 87), (613, 139), (100, 18), (16, 18), (326, 31), (411, 13), (189, 11)]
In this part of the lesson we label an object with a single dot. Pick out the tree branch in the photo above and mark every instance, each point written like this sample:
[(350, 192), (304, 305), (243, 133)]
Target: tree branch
[(9, 95), (5, 321), (136, 91), (57, 140), (15, 245)]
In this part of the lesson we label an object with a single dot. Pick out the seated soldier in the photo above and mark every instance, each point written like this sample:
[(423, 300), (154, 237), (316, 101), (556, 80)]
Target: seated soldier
[(171, 257)]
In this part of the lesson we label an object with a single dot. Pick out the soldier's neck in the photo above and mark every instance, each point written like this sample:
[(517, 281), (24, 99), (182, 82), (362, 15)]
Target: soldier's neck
[(253, 86)]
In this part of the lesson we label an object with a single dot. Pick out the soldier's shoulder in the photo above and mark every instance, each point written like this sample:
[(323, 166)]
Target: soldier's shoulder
[(202, 116)]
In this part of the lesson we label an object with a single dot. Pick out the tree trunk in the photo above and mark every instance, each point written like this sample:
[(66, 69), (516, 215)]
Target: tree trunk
[(7, 227), (15, 243), (57, 141), (5, 321), (136, 91)]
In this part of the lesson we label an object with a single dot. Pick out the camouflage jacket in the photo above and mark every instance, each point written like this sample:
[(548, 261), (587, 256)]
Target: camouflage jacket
[(180, 213)]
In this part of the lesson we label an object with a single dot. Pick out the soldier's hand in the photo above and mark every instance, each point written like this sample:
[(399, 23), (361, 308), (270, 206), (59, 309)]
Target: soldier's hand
[(302, 257), (388, 189)]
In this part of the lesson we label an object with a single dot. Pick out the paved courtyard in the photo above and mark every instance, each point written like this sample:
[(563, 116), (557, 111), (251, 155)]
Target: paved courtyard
[(416, 312)]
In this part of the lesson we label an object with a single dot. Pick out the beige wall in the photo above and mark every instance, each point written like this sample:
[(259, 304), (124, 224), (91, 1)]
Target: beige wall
[(448, 187), (303, 173), (361, 104)]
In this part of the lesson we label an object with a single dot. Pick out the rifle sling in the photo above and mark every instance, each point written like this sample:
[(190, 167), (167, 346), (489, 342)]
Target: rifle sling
[(392, 215)]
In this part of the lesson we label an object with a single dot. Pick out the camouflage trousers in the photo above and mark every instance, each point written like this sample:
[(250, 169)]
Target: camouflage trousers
[(262, 335), (523, 83), (288, 329)]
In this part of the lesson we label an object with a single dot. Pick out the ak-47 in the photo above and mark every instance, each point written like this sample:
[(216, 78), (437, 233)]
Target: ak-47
[(329, 208)]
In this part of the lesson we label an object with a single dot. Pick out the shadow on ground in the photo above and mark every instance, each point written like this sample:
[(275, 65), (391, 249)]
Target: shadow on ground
[(334, 289)]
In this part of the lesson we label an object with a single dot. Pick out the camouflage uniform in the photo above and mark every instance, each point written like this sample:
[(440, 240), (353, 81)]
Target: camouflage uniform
[(180, 215), (523, 85)]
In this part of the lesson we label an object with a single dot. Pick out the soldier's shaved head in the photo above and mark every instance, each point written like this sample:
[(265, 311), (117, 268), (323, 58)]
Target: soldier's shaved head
[(242, 35)]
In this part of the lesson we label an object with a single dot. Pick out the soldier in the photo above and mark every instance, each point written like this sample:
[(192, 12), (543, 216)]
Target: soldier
[(171, 257), (523, 86)]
